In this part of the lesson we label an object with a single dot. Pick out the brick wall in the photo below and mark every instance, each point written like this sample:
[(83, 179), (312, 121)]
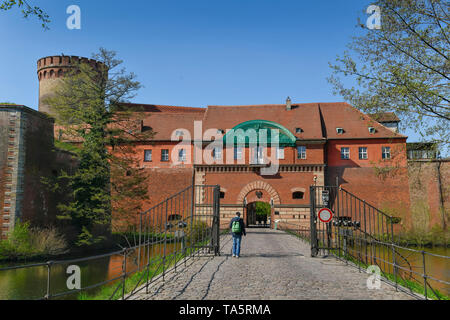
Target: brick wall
[(426, 191), (163, 183), (284, 183), (388, 192), (26, 156)]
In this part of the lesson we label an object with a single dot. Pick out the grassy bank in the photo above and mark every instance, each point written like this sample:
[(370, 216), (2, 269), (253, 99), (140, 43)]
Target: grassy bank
[(26, 243)]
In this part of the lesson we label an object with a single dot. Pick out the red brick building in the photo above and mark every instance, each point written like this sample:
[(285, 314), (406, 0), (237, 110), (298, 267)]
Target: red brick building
[(320, 143)]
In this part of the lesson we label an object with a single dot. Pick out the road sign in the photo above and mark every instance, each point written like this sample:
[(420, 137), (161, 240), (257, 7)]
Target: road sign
[(325, 215)]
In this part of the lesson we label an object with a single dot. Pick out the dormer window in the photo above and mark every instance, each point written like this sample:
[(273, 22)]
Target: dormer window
[(298, 130), (339, 130), (372, 130)]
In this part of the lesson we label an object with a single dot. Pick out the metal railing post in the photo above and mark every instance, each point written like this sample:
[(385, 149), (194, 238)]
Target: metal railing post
[(394, 267), (216, 219), (314, 244), (165, 243), (124, 272), (140, 241), (424, 275), (49, 268)]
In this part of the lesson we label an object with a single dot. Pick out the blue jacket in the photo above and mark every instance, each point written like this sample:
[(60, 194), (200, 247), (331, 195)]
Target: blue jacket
[(242, 226)]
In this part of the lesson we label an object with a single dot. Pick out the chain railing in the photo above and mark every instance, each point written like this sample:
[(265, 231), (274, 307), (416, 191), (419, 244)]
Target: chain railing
[(182, 227)]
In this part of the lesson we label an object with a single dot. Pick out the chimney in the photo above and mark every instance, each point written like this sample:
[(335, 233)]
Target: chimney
[(288, 104)]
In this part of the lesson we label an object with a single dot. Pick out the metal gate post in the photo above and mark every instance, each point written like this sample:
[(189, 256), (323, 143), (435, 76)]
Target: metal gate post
[(313, 228), (216, 221)]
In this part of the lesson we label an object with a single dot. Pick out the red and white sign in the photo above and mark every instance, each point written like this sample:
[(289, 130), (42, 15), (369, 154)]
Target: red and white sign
[(325, 215)]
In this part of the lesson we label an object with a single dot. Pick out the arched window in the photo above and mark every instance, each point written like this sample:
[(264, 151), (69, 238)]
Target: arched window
[(45, 74), (222, 195), (60, 73), (52, 74), (297, 195)]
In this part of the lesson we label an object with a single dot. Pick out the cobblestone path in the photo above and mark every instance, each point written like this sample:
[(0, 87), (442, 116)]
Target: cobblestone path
[(273, 265)]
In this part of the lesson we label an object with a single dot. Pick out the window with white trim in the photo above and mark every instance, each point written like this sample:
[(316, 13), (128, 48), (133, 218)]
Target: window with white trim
[(345, 153), (280, 153), (386, 152), (363, 153), (165, 155), (257, 155), (301, 152), (147, 155), (237, 153), (182, 155), (217, 153)]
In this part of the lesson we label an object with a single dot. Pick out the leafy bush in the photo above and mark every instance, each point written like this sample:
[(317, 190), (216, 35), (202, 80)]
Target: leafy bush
[(18, 243), (47, 242), (197, 231)]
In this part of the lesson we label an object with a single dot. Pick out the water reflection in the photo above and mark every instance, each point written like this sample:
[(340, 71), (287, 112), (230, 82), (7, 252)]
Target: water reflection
[(31, 283), (411, 263)]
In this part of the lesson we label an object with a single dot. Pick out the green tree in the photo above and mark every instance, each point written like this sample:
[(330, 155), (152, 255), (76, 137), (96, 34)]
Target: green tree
[(27, 10), (262, 209), (403, 67), (88, 106)]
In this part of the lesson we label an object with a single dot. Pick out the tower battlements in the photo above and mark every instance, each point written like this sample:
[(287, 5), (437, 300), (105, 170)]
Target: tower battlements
[(51, 69)]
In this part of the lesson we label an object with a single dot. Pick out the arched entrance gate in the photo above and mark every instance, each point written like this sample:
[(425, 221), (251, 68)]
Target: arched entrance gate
[(257, 192)]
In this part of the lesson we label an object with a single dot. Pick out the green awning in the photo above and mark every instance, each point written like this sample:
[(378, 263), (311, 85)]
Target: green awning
[(259, 132)]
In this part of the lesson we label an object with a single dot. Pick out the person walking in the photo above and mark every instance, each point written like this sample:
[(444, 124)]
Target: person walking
[(237, 230)]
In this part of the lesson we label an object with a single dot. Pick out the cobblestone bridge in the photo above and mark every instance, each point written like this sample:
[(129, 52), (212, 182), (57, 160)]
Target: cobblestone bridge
[(273, 265)]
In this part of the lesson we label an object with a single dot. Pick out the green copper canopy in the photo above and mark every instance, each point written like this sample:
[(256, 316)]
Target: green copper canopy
[(255, 132)]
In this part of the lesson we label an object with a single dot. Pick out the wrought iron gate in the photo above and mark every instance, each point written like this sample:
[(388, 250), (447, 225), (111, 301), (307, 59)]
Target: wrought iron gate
[(191, 215), (354, 221), (364, 235)]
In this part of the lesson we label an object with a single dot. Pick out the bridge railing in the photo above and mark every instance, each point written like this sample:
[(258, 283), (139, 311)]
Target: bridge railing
[(180, 228), (364, 235)]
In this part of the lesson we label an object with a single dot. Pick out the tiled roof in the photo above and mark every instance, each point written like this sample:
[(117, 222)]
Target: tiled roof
[(317, 121), (355, 123), (304, 116), (162, 109)]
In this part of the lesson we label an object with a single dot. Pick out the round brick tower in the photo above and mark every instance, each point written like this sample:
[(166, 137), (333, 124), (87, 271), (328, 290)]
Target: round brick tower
[(51, 69)]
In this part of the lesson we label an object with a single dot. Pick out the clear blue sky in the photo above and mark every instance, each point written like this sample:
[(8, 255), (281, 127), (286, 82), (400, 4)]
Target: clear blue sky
[(191, 52)]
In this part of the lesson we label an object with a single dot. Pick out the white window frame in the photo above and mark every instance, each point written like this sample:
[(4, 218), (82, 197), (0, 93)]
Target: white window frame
[(146, 152), (386, 153), (238, 153), (345, 155), (163, 157), (280, 153), (301, 152), (217, 153), (258, 155), (182, 155), (363, 153)]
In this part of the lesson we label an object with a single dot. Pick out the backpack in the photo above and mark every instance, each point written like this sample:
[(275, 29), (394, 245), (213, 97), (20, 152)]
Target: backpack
[(236, 226)]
